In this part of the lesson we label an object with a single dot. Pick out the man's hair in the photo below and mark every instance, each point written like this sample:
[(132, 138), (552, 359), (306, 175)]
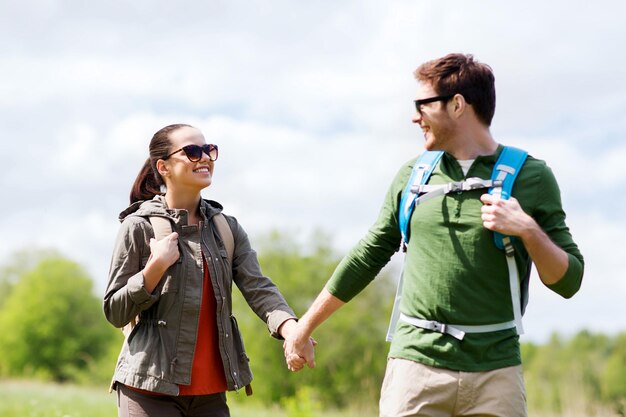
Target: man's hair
[(461, 74)]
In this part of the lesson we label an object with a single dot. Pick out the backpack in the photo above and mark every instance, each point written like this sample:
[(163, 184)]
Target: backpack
[(418, 191), (162, 228)]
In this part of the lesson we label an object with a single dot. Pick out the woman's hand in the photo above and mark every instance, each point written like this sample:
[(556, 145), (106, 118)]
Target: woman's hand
[(163, 254), (165, 251)]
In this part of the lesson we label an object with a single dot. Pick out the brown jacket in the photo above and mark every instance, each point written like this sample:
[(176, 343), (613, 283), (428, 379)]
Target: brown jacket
[(158, 354)]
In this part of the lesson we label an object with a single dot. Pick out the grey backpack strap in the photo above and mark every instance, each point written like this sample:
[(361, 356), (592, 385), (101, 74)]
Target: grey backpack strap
[(162, 228), (223, 228)]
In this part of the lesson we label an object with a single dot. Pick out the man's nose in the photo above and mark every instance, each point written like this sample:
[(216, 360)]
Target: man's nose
[(417, 117)]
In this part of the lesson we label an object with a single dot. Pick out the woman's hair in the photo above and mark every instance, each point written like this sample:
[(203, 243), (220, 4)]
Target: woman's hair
[(148, 182), (461, 74)]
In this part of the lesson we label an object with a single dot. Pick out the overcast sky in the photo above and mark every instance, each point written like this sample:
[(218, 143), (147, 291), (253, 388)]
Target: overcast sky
[(310, 103)]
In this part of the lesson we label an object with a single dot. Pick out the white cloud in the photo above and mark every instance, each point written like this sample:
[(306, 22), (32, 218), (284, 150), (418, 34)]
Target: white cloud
[(586, 176)]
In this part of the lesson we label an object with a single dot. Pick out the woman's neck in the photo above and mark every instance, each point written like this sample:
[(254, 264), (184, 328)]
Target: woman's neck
[(191, 203)]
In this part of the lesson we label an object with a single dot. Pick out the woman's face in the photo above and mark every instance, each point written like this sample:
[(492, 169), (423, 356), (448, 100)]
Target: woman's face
[(180, 172)]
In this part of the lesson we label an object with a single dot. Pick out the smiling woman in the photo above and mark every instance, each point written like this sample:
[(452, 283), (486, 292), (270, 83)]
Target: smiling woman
[(185, 350)]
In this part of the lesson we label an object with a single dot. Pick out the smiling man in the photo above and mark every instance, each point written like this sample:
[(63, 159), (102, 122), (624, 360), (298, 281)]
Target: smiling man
[(455, 348)]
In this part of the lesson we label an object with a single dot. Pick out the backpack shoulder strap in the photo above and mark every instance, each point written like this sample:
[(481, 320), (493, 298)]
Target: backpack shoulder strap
[(161, 226), (422, 170), (225, 232), (506, 169)]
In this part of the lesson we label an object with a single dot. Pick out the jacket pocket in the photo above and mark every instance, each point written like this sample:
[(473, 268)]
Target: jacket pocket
[(242, 359), (170, 283), (167, 284), (239, 347), (172, 276), (150, 350), (227, 268)]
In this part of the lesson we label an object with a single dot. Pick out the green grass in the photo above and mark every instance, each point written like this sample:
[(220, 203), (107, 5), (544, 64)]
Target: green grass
[(28, 398), (39, 399)]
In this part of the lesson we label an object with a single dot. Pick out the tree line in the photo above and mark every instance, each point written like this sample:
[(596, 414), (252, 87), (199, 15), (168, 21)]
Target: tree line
[(52, 328)]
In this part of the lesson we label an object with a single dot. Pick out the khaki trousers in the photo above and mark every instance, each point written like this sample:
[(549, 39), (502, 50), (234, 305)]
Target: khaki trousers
[(411, 389)]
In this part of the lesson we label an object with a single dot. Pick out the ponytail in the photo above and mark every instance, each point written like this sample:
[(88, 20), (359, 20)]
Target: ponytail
[(148, 182)]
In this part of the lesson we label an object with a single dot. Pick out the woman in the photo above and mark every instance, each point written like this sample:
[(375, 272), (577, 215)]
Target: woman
[(185, 350)]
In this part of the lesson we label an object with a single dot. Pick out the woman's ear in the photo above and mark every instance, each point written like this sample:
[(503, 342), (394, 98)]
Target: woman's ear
[(162, 168)]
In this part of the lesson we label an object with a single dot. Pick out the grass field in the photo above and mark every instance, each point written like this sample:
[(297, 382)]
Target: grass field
[(39, 399), (22, 398), (19, 398)]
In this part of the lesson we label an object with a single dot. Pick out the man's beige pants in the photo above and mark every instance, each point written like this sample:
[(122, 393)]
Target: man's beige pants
[(411, 389)]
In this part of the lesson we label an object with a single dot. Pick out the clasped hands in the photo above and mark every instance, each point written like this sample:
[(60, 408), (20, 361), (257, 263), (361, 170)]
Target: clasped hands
[(298, 346)]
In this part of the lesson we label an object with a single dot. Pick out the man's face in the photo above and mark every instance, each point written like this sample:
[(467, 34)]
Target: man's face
[(433, 118)]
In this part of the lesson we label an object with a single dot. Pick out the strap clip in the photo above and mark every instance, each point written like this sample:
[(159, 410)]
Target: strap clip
[(438, 327)]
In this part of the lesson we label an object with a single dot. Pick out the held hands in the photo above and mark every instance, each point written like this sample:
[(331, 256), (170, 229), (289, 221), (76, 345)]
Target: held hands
[(299, 347), (505, 216)]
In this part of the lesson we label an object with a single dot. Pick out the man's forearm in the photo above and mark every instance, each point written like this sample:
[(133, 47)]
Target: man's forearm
[(550, 260), (322, 308)]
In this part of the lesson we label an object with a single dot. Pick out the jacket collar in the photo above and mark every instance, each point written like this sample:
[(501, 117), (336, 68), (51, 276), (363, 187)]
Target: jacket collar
[(158, 207)]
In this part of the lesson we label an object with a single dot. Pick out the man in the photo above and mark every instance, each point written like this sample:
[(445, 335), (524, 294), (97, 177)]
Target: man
[(454, 275)]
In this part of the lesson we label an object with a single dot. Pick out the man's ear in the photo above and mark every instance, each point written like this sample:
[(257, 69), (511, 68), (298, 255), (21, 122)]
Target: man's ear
[(459, 105)]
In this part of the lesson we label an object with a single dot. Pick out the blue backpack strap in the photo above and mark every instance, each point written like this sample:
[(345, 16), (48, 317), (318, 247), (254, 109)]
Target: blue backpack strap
[(506, 170), (423, 168)]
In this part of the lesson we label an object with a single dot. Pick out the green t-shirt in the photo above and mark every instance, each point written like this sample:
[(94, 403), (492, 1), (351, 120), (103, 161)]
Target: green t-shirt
[(453, 272)]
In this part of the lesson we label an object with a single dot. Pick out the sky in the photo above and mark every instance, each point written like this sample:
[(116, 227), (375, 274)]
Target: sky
[(311, 105)]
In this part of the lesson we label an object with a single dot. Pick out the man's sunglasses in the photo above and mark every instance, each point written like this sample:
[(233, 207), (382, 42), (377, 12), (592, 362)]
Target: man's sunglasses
[(420, 103), (194, 152)]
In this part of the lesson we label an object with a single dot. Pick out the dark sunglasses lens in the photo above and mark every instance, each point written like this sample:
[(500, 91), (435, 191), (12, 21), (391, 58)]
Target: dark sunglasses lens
[(193, 152)]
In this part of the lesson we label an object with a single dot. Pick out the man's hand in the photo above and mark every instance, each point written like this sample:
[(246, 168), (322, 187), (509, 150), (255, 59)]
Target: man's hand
[(505, 216)]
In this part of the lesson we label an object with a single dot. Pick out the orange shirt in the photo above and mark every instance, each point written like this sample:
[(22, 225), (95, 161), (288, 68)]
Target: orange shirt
[(207, 372)]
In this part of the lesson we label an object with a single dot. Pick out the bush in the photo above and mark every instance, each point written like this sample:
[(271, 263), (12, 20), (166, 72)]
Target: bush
[(53, 322)]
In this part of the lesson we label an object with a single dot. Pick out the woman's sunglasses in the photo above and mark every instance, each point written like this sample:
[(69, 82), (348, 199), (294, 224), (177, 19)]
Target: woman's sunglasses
[(194, 152)]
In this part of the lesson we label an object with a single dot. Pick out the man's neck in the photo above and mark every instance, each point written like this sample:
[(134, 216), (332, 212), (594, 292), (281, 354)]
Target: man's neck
[(472, 143)]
